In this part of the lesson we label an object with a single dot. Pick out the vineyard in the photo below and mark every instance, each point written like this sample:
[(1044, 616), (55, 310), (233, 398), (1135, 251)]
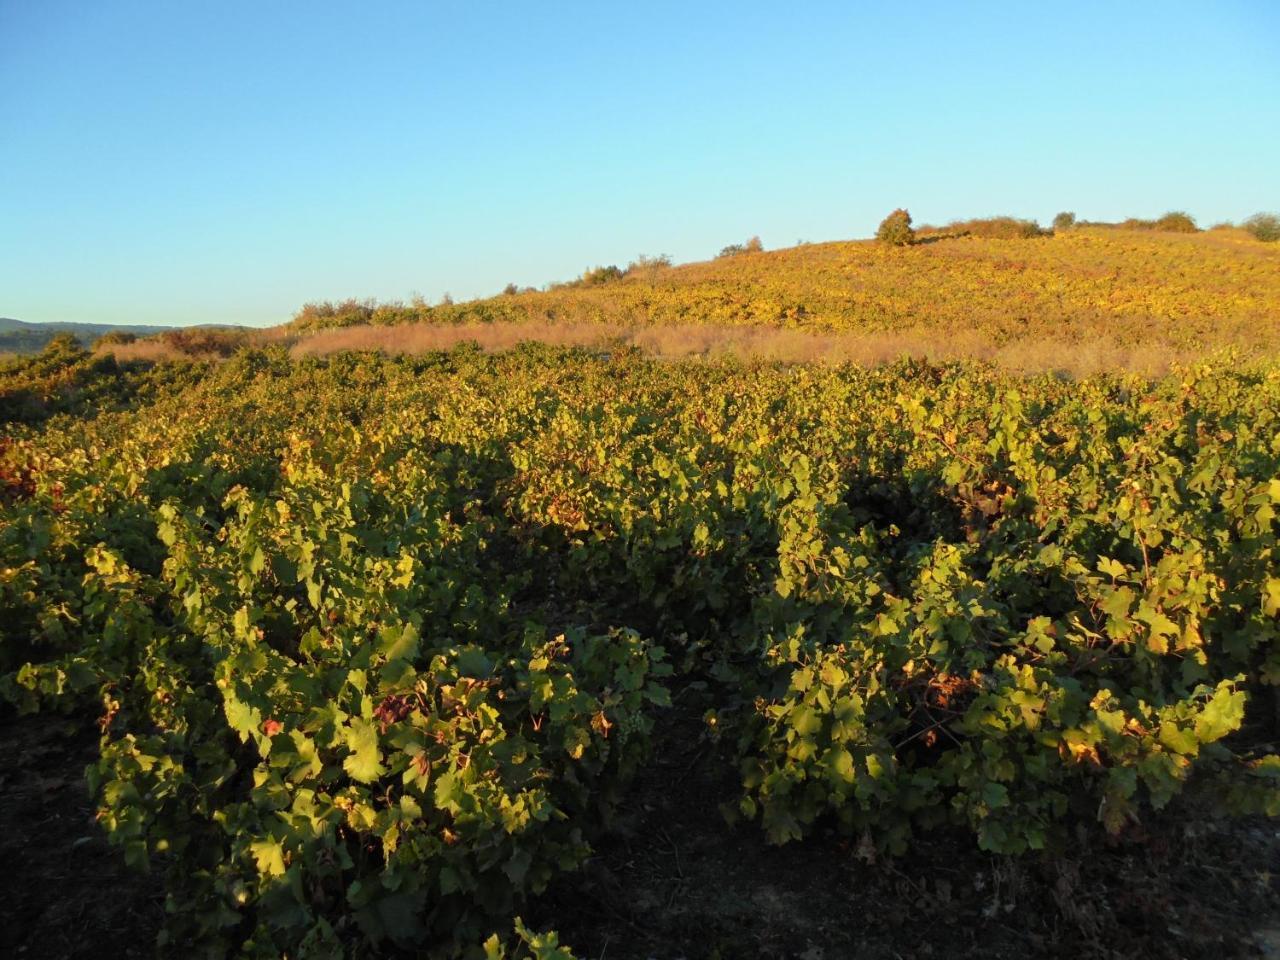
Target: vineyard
[(377, 654)]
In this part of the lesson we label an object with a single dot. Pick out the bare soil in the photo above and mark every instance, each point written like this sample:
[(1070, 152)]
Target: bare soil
[(64, 892), (673, 880)]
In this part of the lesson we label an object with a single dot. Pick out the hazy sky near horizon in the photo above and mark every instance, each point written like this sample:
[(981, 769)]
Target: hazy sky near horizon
[(225, 162)]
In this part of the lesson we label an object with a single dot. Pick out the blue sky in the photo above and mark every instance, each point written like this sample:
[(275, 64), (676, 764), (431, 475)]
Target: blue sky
[(225, 162)]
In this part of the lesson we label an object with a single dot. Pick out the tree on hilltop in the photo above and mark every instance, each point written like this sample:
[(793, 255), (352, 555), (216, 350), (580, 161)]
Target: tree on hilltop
[(895, 229)]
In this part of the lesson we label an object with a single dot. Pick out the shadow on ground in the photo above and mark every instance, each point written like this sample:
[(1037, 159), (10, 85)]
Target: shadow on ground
[(674, 880)]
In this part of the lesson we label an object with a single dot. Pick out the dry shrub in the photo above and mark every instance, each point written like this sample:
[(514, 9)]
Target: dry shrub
[(991, 228), (149, 350), (1264, 227), (424, 338), (342, 313), (1175, 221), (205, 341), (190, 343), (753, 245)]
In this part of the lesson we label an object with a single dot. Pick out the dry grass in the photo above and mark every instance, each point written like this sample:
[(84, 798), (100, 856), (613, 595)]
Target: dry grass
[(748, 343), (424, 337), (148, 350)]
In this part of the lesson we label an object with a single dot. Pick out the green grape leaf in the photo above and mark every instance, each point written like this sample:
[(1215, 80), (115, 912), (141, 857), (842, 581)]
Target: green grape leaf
[(363, 763)]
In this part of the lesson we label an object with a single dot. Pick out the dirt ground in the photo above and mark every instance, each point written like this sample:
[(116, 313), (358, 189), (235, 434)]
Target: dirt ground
[(673, 880), (64, 892)]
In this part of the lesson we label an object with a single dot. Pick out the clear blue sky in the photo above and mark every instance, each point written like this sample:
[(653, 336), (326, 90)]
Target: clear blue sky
[(190, 162)]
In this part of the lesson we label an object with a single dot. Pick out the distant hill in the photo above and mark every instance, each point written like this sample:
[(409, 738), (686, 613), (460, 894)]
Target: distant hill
[(18, 336), (1188, 291)]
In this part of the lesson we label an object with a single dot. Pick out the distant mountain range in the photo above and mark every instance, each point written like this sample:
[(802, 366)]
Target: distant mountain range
[(18, 336)]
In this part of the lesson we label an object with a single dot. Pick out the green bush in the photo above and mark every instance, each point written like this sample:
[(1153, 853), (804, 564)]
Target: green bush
[(1264, 226), (63, 378), (598, 276), (895, 229), (1064, 221), (115, 337), (1176, 221), (414, 761)]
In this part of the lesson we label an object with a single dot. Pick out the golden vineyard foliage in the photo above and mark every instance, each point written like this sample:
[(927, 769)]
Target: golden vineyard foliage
[(1199, 291), (374, 646)]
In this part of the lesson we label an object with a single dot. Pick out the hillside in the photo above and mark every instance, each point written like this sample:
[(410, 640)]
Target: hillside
[(1127, 287), (484, 624), (18, 336)]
